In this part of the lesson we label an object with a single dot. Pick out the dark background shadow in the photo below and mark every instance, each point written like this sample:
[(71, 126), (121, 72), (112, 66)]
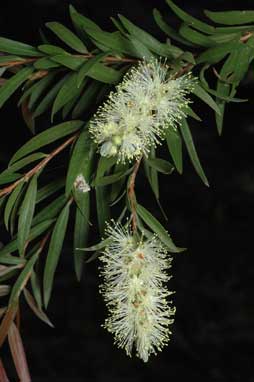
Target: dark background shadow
[(213, 334)]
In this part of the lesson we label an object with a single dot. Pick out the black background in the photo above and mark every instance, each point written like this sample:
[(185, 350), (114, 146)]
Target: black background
[(213, 334)]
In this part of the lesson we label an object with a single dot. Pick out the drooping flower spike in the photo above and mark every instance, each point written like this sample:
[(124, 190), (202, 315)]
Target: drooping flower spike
[(136, 115), (135, 274)]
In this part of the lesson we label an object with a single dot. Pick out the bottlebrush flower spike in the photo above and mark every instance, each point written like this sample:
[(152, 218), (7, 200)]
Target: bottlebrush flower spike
[(135, 273), (136, 115)]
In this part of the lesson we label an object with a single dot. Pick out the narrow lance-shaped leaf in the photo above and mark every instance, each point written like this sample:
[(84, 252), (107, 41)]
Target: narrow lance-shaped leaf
[(87, 66), (55, 248), (157, 228), (3, 375), (168, 29), (199, 25), (12, 84), (22, 279), (36, 309), (161, 165), (65, 94), (19, 48), (67, 36), (174, 143), (50, 211), (26, 214), (231, 17), (81, 229), (35, 232), (18, 353), (48, 99), (49, 189), (35, 91), (48, 136), (102, 196), (205, 97), (10, 203), (195, 37), (186, 133), (148, 40)]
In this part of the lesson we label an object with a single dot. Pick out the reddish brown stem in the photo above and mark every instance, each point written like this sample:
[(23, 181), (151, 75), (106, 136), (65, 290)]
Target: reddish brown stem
[(38, 167), (108, 59), (131, 195)]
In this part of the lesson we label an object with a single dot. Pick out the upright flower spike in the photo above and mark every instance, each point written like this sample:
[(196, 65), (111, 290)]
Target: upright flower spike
[(135, 273), (136, 115)]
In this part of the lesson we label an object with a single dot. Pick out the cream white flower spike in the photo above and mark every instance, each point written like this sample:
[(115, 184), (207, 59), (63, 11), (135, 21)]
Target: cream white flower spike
[(135, 273), (136, 115)]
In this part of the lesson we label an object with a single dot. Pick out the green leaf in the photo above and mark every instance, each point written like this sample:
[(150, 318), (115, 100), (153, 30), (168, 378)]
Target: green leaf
[(231, 17), (243, 63), (15, 47), (49, 189), (102, 196), (26, 161), (83, 71), (81, 21), (112, 41), (6, 59), (7, 177), (223, 89), (216, 54), (48, 136), (187, 137), (35, 232), (36, 288), (71, 62), (174, 143), (68, 37), (66, 110), (81, 229), (36, 90), (104, 74), (39, 88), (97, 247), (168, 30), (195, 37), (78, 20), (22, 279), (157, 228), (12, 84), (45, 63), (55, 248), (148, 40), (26, 214), (87, 99), (152, 175), (195, 23), (51, 210), (106, 180), (220, 38), (160, 165), (10, 203), (80, 162), (48, 99), (36, 309), (67, 92), (52, 50), (205, 97), (11, 260)]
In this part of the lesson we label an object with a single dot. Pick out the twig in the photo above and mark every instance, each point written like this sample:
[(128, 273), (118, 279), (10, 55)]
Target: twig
[(131, 195), (108, 59), (39, 166)]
